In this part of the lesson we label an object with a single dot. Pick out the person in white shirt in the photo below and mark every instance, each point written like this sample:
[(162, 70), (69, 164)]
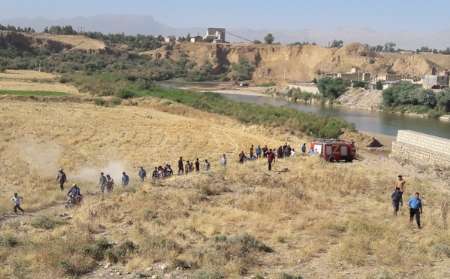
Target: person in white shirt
[(17, 200), (223, 160)]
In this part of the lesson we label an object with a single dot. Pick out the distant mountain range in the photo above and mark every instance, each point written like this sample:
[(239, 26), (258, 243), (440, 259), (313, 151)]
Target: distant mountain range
[(139, 24)]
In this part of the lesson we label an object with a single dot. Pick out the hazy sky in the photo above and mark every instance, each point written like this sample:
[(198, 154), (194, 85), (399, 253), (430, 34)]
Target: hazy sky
[(381, 15)]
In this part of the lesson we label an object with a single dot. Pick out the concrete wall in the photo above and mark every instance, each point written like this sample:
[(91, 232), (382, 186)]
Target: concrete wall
[(421, 149)]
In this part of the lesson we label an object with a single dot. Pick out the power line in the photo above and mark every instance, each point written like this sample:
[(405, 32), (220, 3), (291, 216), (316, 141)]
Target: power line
[(239, 37)]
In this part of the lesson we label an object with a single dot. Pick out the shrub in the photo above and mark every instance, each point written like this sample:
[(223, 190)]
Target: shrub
[(100, 102), (8, 241), (98, 249), (120, 252), (324, 127), (126, 94), (45, 222), (202, 274), (77, 265), (288, 276), (332, 88), (441, 249)]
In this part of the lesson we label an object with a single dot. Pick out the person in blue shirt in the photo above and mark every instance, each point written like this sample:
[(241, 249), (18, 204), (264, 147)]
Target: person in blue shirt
[(125, 179), (415, 208)]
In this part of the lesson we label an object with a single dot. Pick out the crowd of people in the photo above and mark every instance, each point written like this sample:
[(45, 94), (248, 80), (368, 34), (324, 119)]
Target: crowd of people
[(106, 182), (283, 151)]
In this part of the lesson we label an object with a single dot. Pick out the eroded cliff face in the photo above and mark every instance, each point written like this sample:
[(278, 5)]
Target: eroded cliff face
[(303, 63)]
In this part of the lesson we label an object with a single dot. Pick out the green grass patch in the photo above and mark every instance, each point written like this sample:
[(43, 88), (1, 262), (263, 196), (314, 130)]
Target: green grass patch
[(311, 124), (32, 93)]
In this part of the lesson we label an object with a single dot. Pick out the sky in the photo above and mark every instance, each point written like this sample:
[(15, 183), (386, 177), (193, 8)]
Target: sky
[(413, 22), (381, 15)]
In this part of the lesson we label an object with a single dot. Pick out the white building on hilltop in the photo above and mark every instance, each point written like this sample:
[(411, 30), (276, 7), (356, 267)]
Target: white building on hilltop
[(215, 35)]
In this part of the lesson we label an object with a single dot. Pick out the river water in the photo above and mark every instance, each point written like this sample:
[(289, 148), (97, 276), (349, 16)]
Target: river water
[(364, 121)]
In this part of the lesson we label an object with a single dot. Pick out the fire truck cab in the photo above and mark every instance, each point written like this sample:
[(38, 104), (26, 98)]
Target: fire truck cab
[(333, 150)]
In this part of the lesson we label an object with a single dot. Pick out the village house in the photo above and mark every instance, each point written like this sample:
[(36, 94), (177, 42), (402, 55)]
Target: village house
[(215, 35), (437, 81)]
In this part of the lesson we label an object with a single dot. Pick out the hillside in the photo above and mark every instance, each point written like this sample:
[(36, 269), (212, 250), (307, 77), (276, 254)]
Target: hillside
[(303, 63), (307, 218), (76, 42)]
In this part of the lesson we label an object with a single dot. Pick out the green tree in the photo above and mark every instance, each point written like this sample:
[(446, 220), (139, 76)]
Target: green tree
[(389, 47), (332, 88), (242, 70), (269, 39)]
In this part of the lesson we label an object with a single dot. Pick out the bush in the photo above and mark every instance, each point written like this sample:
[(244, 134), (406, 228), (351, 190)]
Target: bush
[(120, 252), (288, 276), (77, 265), (45, 222), (100, 102), (202, 274), (441, 250), (126, 94), (98, 250), (324, 127), (332, 88), (242, 70), (8, 241)]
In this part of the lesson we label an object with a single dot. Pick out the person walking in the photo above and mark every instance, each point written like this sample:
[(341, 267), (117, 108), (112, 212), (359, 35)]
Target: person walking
[(142, 174), (102, 182), (17, 201), (125, 179), (61, 178), (396, 197), (251, 153), (180, 166), (415, 209), (197, 165)]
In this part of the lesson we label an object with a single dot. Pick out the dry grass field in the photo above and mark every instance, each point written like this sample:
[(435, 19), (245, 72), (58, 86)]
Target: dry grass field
[(307, 218), (78, 42), (33, 81)]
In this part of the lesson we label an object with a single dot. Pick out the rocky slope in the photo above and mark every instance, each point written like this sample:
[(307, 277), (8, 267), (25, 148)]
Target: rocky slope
[(303, 63)]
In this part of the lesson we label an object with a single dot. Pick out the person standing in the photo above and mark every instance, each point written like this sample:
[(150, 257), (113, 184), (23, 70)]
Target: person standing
[(223, 160), (401, 184), (303, 149), (251, 152), (142, 174), (415, 208), (102, 182), (180, 166), (396, 197), (197, 165), (17, 201), (61, 178), (258, 152), (109, 183), (125, 179), (187, 168), (270, 159), (207, 165)]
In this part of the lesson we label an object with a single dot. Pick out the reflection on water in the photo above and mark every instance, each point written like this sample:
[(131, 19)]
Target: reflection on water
[(365, 121)]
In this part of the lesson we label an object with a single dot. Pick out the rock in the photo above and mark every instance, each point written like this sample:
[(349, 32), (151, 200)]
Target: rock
[(107, 265)]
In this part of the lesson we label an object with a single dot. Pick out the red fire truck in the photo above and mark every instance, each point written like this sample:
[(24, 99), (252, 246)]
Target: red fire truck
[(333, 150)]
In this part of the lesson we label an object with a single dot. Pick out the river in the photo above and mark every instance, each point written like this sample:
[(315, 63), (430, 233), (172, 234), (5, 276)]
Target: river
[(365, 121)]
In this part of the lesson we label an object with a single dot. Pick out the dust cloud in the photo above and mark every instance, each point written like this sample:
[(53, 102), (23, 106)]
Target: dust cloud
[(41, 157), (91, 174)]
